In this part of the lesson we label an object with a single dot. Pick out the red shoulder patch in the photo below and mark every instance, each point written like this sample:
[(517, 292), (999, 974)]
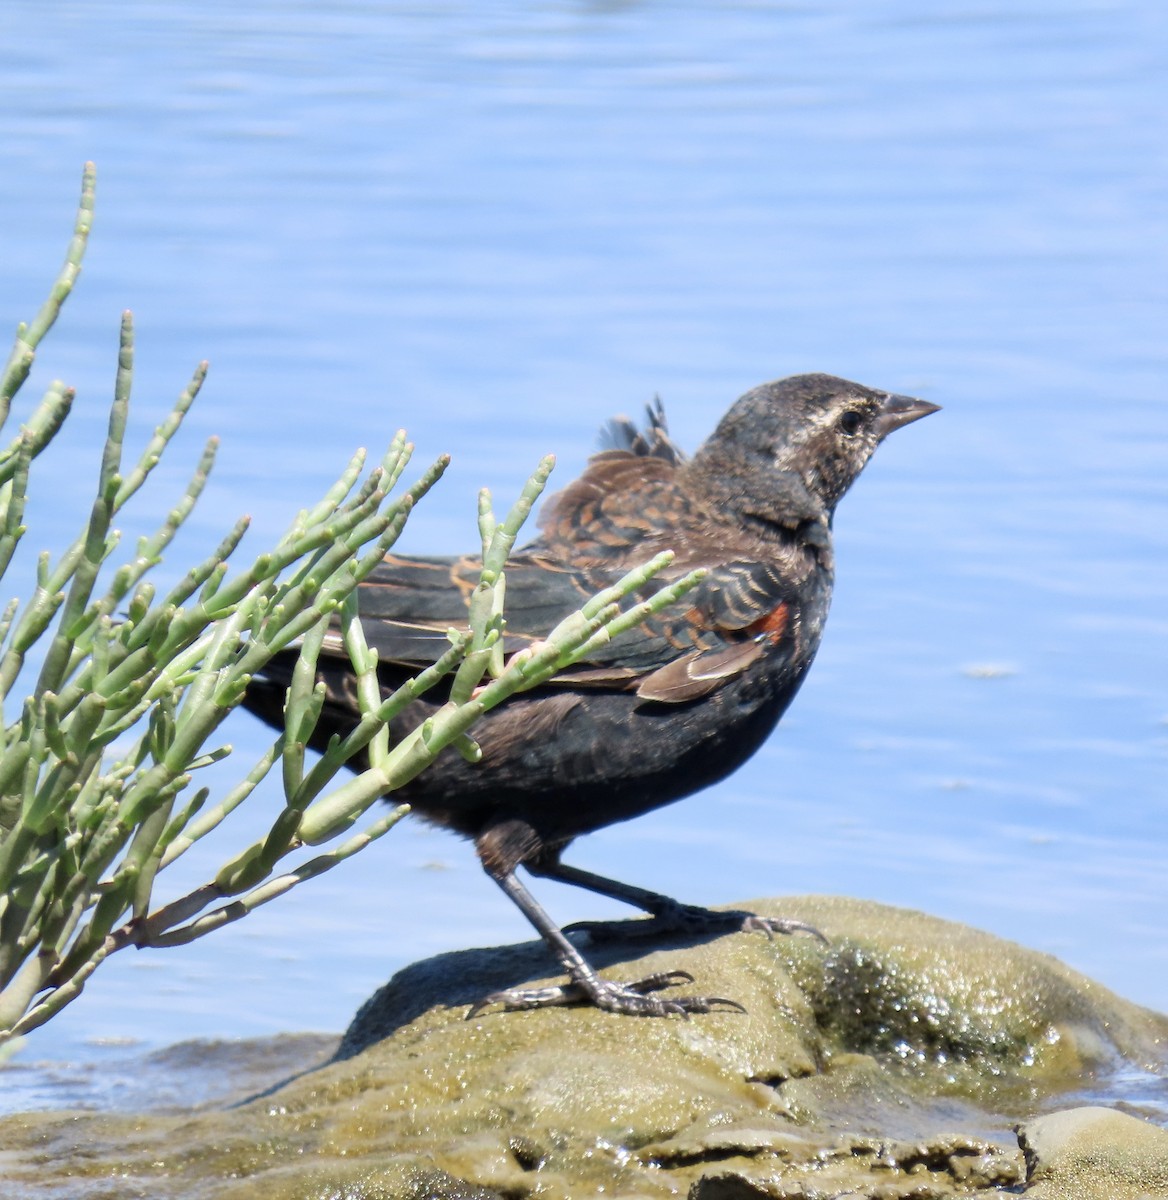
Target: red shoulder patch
[(773, 625)]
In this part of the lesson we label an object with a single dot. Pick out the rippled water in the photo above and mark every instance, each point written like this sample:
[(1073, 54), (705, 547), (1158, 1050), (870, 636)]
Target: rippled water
[(497, 226)]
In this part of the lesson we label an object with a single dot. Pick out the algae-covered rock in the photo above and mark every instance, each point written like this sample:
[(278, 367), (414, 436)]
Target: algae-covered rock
[(938, 1168), (894, 1062), (1094, 1154)]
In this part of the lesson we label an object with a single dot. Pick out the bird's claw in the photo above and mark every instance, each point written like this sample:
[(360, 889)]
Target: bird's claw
[(632, 999), (752, 923)]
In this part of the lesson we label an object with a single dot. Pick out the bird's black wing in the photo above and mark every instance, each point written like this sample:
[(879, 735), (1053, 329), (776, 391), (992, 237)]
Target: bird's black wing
[(588, 543), (408, 604), (740, 611)]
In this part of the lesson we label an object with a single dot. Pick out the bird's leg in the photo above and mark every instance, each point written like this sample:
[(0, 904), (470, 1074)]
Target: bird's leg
[(633, 999), (669, 915)]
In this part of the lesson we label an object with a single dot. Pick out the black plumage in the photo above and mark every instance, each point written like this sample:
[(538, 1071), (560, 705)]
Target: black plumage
[(665, 709)]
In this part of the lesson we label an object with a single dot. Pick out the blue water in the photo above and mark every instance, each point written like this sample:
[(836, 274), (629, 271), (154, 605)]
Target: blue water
[(499, 225)]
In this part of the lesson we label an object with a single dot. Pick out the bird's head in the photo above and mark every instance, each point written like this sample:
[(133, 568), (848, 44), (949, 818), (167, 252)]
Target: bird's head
[(787, 451)]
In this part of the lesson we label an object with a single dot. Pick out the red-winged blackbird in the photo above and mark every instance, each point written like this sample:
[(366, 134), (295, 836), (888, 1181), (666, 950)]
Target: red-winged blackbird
[(664, 710)]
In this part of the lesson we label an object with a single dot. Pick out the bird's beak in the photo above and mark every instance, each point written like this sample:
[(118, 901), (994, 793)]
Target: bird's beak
[(901, 410)]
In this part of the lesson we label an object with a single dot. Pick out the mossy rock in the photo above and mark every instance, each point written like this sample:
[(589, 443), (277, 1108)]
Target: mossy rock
[(894, 1062)]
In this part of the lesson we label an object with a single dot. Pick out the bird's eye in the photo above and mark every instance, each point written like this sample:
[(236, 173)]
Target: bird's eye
[(850, 422)]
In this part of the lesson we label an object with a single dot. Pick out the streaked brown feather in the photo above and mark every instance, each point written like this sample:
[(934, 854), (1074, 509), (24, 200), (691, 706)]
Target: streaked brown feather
[(697, 674)]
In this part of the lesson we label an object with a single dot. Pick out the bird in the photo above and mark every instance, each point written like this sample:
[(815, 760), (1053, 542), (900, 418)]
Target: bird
[(660, 712)]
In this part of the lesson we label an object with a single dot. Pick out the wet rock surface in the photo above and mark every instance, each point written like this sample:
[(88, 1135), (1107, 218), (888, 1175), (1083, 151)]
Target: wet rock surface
[(909, 1058), (1094, 1151)]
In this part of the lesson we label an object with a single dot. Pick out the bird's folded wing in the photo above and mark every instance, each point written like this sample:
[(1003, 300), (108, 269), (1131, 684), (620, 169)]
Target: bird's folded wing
[(408, 604), (714, 633)]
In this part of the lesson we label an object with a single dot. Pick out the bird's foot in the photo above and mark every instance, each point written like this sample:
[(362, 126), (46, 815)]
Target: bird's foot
[(633, 999), (752, 922), (670, 916)]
